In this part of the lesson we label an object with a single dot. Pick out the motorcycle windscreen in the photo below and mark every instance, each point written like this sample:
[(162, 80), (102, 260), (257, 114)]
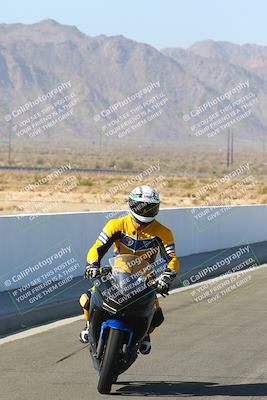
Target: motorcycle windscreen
[(131, 280)]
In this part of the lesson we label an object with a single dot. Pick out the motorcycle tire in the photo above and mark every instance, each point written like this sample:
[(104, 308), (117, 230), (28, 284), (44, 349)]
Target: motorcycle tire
[(109, 368)]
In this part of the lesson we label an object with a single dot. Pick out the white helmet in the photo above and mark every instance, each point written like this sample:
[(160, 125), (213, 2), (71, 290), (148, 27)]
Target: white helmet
[(144, 203)]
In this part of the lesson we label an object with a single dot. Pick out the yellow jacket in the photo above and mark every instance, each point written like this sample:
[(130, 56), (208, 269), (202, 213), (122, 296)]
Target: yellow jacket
[(129, 240)]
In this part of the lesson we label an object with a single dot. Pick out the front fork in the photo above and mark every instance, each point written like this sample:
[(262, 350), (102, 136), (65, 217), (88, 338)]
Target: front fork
[(118, 325)]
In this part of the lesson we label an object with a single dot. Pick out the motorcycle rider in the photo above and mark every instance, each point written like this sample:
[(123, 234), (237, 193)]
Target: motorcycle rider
[(136, 233)]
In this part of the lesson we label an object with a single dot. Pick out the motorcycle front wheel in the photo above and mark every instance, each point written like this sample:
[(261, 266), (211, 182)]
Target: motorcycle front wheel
[(109, 368)]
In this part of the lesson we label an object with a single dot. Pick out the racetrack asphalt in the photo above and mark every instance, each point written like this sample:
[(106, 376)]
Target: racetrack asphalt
[(204, 350)]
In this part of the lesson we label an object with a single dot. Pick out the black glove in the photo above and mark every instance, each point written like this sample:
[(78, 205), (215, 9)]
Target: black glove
[(105, 270), (92, 270), (165, 280)]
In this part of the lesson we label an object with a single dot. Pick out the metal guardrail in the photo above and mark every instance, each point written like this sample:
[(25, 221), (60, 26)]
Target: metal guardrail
[(96, 170)]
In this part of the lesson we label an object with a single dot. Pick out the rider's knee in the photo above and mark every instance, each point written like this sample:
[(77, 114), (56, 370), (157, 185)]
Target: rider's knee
[(85, 300), (158, 318)]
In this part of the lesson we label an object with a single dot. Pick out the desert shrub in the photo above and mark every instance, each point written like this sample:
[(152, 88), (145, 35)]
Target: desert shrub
[(126, 164), (84, 181)]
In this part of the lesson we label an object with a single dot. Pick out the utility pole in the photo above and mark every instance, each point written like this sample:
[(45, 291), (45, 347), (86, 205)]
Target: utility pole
[(9, 144), (263, 144), (100, 140), (232, 146), (228, 148)]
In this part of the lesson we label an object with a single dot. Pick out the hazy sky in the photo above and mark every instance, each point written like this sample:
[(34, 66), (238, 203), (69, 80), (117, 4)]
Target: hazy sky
[(161, 23)]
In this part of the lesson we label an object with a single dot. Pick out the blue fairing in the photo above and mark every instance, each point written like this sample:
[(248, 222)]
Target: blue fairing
[(119, 325)]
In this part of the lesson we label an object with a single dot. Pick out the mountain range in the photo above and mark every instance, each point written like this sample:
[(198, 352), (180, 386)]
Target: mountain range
[(104, 70)]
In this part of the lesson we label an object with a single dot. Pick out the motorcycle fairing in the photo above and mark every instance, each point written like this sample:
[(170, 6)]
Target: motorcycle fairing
[(119, 325)]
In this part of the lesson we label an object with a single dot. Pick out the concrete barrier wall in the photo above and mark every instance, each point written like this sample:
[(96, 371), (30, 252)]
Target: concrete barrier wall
[(42, 258), (22, 238)]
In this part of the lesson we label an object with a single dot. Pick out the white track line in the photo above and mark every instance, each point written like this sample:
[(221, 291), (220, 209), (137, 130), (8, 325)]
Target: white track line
[(67, 321)]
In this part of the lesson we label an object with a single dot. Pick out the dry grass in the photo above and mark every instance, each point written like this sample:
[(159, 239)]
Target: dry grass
[(83, 192)]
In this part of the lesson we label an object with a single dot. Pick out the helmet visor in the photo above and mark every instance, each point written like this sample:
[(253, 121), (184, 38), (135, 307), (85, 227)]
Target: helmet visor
[(144, 209)]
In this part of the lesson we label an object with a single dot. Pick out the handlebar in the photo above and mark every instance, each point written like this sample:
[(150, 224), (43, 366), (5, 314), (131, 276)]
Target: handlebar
[(104, 271)]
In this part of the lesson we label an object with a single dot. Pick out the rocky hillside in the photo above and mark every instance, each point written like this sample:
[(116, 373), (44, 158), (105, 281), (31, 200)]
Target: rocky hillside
[(36, 59)]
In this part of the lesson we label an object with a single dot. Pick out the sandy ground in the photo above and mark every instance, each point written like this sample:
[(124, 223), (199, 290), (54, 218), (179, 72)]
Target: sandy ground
[(23, 192)]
